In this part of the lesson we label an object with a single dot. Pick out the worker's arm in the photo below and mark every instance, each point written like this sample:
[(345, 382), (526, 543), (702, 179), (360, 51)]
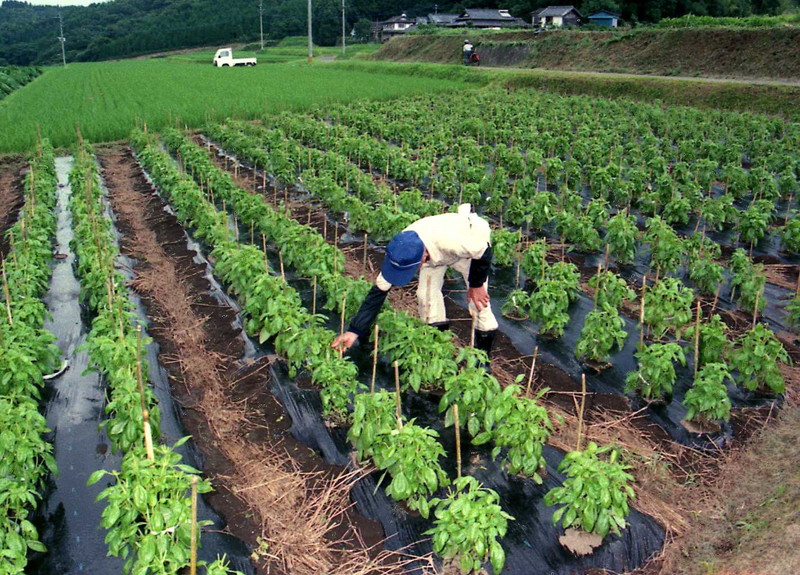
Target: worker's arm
[(362, 322), (478, 274)]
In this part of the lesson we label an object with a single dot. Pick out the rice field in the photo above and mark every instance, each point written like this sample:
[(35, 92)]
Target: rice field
[(106, 99)]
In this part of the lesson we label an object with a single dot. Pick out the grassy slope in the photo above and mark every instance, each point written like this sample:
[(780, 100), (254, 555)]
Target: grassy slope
[(106, 99), (772, 53), (753, 524)]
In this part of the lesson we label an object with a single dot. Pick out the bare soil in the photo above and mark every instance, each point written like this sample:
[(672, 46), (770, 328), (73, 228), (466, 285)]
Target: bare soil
[(11, 195), (275, 494)]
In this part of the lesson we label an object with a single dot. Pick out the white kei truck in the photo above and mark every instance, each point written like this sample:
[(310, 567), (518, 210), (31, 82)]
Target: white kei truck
[(224, 57)]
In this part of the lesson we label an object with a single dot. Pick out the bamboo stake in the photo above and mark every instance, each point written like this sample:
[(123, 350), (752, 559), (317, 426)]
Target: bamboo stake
[(364, 259), (457, 425), (325, 228), (580, 411), (148, 436), (280, 261), (374, 359), (641, 311), (8, 297), (252, 230), (697, 340), (533, 367), (716, 299), (398, 410), (235, 227), (599, 285), (263, 181), (341, 318), (275, 195), (314, 296), (193, 563)]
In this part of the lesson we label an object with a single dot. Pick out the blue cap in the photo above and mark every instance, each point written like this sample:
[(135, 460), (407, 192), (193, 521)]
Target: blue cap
[(403, 256)]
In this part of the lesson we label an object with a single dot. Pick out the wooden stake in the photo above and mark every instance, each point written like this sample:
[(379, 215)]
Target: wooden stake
[(148, 436), (374, 358), (263, 182), (193, 548), (325, 229), (341, 318), (252, 229), (697, 340), (641, 311), (457, 425), (364, 259), (398, 410), (314, 296), (8, 297), (280, 261), (533, 367), (716, 299), (608, 253), (580, 411)]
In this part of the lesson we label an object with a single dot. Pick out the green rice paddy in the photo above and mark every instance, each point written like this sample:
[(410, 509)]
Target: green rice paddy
[(105, 100)]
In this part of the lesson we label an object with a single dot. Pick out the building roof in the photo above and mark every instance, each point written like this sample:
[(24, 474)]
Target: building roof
[(442, 18), (401, 19), (487, 17), (556, 11), (604, 14)]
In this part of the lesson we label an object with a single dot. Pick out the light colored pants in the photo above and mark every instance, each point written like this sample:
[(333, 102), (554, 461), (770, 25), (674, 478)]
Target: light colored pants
[(431, 299)]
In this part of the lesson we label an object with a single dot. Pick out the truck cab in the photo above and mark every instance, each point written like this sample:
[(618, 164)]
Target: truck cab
[(224, 57)]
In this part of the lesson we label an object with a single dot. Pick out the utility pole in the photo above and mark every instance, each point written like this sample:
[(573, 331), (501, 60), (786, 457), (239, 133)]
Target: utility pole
[(62, 39), (261, 21), (343, 30), (310, 49)]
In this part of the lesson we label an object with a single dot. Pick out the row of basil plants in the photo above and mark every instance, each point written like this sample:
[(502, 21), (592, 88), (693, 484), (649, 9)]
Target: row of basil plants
[(410, 453), (668, 304), (148, 507), (668, 249), (612, 163), (669, 301), (27, 353)]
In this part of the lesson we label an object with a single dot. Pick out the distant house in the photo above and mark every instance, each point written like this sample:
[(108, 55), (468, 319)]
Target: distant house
[(487, 18), (605, 18), (556, 16), (392, 27), (442, 19)]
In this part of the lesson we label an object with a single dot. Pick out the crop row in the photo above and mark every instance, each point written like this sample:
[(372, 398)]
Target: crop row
[(27, 354), (148, 511), (517, 425), (667, 305)]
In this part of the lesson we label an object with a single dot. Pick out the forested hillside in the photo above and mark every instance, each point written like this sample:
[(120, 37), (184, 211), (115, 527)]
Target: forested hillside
[(122, 28)]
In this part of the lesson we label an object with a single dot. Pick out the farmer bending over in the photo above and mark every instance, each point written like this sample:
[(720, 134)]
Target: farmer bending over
[(433, 244)]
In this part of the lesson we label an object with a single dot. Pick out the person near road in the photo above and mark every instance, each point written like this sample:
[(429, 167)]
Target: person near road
[(458, 240), (468, 49)]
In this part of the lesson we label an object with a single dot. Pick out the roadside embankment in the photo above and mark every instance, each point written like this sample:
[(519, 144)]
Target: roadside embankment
[(751, 54)]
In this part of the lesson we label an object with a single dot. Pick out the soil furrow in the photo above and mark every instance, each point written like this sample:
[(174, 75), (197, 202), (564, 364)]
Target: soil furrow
[(268, 486), (11, 196)]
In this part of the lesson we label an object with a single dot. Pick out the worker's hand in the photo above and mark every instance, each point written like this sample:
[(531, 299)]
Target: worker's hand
[(345, 341), (479, 297)]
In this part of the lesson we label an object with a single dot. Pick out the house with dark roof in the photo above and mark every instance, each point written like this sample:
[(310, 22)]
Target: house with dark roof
[(487, 18), (442, 19), (556, 17), (394, 26), (605, 18)]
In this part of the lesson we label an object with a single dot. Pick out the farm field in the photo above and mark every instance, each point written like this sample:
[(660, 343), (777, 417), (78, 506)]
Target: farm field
[(646, 282), (105, 99)]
